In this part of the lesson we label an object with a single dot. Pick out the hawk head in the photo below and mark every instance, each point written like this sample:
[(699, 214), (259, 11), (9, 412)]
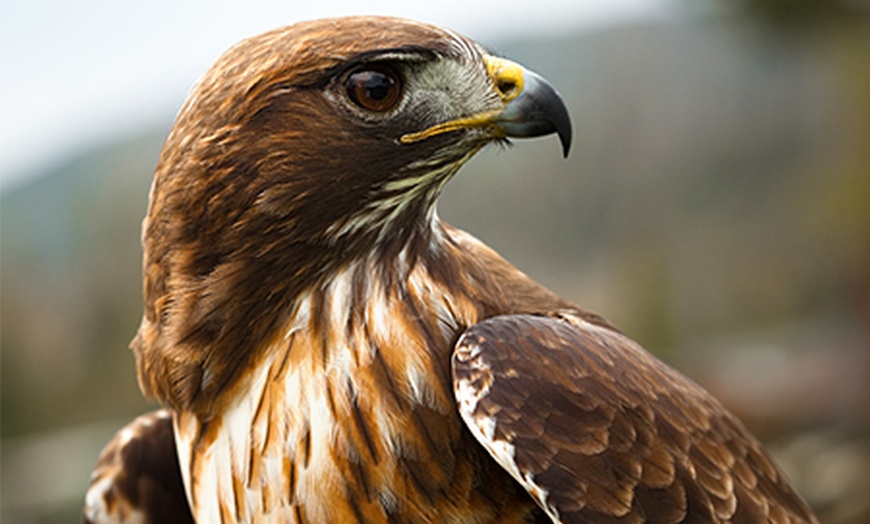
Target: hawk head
[(299, 150)]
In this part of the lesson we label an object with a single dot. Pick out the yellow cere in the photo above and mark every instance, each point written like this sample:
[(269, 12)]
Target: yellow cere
[(507, 77)]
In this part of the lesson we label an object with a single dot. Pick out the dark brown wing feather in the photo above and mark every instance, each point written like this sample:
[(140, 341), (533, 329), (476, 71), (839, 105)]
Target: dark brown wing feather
[(598, 430), (137, 478)]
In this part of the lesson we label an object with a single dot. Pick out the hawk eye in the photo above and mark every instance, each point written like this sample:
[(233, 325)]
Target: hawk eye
[(376, 87)]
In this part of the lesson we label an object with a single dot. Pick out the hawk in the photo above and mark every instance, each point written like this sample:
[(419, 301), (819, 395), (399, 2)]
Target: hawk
[(326, 349)]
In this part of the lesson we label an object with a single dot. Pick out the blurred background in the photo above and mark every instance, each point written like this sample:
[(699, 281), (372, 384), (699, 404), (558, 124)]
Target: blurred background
[(716, 206)]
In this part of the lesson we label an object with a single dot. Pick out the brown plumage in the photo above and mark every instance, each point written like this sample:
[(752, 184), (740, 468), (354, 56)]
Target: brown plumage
[(330, 351), (137, 475)]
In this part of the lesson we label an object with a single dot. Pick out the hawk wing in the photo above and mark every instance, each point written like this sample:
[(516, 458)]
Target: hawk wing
[(597, 430), (137, 479)]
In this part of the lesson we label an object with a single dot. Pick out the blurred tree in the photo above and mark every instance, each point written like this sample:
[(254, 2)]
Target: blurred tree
[(793, 14)]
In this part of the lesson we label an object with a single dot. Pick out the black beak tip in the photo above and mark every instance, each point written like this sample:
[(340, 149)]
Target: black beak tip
[(556, 112), (563, 129)]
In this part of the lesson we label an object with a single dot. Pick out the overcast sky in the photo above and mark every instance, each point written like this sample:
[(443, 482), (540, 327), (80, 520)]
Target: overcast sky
[(75, 73)]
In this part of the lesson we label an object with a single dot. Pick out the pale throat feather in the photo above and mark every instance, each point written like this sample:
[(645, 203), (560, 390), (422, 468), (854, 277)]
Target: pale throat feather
[(333, 394)]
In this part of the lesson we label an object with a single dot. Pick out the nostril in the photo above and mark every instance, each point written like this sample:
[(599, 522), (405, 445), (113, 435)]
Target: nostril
[(506, 88)]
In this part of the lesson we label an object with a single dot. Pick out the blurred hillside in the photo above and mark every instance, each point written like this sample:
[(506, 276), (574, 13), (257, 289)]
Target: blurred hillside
[(716, 207)]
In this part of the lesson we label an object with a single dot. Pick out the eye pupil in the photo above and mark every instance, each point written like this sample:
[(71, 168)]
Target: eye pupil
[(375, 88)]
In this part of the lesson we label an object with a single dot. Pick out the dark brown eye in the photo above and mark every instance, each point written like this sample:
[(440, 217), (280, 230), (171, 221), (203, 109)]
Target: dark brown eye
[(376, 88)]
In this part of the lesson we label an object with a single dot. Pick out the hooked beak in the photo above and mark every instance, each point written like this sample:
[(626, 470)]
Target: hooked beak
[(532, 107)]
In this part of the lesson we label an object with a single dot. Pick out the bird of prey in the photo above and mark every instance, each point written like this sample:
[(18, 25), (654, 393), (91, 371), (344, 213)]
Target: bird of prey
[(326, 349)]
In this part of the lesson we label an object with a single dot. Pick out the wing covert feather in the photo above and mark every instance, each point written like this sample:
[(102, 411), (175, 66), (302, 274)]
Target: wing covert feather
[(598, 430), (137, 479)]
